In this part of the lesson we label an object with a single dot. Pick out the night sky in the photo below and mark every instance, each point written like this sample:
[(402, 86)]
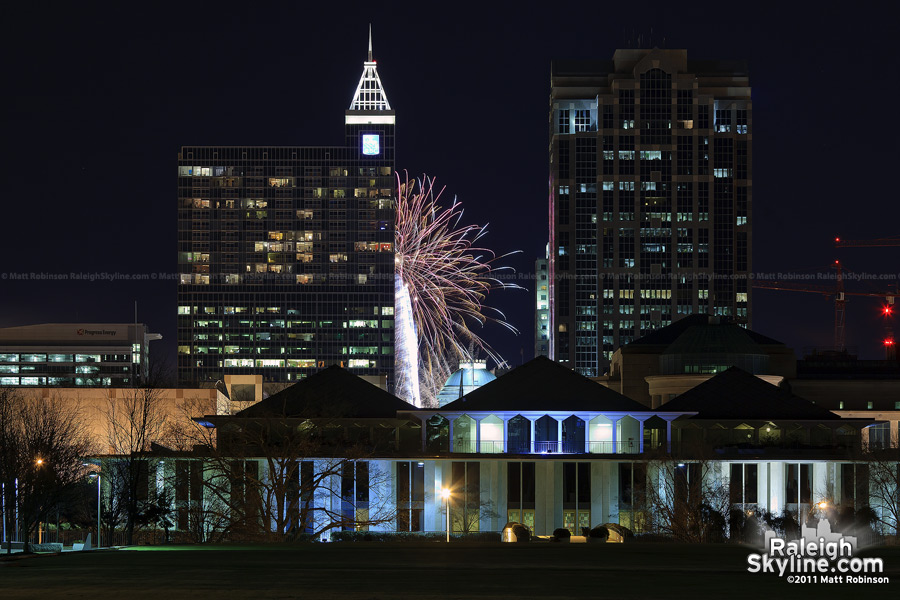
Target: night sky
[(100, 98)]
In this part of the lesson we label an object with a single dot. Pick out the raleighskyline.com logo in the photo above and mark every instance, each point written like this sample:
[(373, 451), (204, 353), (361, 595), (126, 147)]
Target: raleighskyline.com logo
[(819, 556)]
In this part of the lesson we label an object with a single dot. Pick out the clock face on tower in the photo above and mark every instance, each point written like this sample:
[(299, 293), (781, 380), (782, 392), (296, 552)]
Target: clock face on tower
[(370, 144)]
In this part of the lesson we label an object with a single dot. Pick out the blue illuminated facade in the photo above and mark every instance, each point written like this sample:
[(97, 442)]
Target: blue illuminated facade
[(549, 448)]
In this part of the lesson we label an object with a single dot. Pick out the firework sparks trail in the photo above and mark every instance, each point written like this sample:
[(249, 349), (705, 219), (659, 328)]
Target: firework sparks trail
[(448, 277)]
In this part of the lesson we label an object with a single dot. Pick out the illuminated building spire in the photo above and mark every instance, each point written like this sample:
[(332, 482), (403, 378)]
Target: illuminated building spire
[(369, 92)]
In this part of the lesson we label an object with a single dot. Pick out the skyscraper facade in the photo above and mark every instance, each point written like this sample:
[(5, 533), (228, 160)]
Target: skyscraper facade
[(650, 198), (541, 307), (286, 254)]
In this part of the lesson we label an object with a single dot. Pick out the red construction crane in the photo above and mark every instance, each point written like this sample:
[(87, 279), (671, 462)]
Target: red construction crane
[(887, 310), (838, 292), (840, 304), (839, 243)]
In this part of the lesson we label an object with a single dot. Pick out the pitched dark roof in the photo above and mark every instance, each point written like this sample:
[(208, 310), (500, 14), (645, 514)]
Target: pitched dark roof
[(668, 334), (333, 393), (543, 385), (735, 394), (709, 339)]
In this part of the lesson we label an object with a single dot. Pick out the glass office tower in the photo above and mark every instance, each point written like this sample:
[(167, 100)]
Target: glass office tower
[(286, 254), (650, 198)]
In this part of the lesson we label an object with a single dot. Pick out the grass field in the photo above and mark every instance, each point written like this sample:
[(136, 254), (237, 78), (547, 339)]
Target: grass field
[(419, 570)]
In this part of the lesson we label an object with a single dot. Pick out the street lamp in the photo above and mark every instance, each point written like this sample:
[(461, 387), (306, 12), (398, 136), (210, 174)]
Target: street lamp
[(39, 462), (98, 509), (97, 475), (445, 494)]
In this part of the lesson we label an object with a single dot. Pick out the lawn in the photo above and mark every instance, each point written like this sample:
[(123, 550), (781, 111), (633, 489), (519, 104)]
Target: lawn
[(417, 570)]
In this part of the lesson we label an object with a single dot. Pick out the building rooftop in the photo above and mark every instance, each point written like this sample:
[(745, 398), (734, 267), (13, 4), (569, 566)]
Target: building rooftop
[(331, 393), (543, 385), (73, 334), (468, 378), (735, 394), (666, 336)]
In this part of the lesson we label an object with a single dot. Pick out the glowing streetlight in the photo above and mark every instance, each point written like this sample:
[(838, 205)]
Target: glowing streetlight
[(97, 475), (445, 494), (38, 462), (823, 505)]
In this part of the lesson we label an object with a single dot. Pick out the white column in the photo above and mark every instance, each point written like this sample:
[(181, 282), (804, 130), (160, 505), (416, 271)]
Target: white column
[(777, 498), (477, 434), (450, 433), (668, 436), (559, 447), (505, 435), (382, 493), (762, 482), (819, 482), (615, 435), (533, 444)]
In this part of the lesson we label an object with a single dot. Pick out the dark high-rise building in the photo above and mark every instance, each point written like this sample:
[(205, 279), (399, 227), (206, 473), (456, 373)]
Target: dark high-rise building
[(541, 307), (286, 254), (650, 198)]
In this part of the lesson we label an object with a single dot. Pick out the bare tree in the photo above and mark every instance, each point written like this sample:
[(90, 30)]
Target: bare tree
[(43, 442), (884, 487), (687, 499), (466, 514), (134, 422), (275, 478)]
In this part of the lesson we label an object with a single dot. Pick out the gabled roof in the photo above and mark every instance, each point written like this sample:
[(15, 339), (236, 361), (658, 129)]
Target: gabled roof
[(333, 393), (668, 334), (735, 394), (543, 385)]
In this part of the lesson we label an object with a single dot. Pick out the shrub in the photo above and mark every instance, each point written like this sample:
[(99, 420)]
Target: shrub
[(598, 533), (561, 534), (522, 533)]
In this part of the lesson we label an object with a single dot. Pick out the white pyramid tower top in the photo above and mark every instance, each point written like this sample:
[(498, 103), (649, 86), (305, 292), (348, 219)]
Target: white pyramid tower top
[(369, 92)]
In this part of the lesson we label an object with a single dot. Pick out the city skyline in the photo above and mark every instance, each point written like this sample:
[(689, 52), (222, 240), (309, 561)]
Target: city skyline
[(102, 102)]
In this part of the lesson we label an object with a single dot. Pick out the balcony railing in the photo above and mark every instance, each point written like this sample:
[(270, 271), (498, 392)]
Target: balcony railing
[(514, 447)]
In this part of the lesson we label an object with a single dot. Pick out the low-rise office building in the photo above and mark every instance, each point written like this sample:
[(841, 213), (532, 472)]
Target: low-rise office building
[(75, 355)]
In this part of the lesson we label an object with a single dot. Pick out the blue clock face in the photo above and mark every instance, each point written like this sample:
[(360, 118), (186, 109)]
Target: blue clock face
[(370, 145)]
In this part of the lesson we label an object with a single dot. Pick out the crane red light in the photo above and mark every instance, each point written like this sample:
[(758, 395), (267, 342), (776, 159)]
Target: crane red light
[(889, 341), (887, 310)]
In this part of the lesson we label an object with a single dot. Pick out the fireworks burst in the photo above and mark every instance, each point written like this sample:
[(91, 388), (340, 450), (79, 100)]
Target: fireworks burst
[(448, 277)]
